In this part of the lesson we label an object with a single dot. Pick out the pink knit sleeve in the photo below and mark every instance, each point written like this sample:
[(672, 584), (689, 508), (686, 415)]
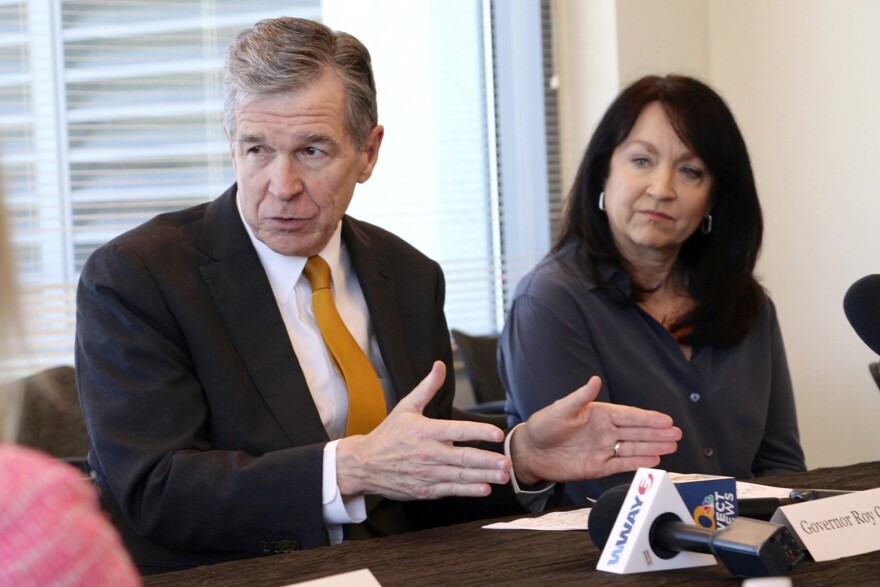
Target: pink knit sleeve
[(52, 530)]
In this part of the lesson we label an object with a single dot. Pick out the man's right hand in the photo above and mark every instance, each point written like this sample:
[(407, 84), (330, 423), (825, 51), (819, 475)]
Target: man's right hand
[(410, 456)]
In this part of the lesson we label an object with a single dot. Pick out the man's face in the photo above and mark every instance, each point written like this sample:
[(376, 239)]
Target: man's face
[(296, 165)]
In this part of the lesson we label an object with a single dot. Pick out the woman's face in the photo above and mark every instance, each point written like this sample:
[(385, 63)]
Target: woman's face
[(657, 190)]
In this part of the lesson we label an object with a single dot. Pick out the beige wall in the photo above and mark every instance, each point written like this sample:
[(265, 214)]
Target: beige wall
[(803, 79)]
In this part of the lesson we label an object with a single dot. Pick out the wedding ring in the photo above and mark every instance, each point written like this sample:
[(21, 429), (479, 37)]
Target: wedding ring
[(616, 448)]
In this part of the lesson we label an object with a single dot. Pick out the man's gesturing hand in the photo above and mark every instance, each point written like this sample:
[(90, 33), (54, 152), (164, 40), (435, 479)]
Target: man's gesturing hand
[(409, 456), (573, 439)]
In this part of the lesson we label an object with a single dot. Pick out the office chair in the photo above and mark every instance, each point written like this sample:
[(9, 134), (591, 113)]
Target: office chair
[(50, 418), (479, 354)]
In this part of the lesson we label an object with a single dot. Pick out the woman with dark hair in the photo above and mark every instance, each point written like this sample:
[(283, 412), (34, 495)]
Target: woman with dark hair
[(650, 286)]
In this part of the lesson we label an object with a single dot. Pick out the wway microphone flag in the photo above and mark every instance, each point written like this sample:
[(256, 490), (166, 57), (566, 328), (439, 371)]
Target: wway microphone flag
[(628, 550)]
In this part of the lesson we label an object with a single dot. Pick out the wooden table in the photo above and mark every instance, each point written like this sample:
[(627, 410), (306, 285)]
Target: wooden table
[(466, 554)]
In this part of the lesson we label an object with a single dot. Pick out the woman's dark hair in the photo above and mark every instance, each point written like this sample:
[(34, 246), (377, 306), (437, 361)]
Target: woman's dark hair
[(718, 265)]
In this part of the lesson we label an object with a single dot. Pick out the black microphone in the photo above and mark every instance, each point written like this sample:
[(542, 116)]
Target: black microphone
[(748, 548), (763, 508), (861, 304)]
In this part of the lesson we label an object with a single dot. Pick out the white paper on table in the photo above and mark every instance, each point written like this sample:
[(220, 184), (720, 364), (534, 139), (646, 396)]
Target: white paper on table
[(577, 519), (746, 490), (362, 578), (555, 521)]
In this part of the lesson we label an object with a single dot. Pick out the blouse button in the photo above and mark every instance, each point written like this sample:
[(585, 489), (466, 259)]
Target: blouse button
[(709, 451), (695, 397)]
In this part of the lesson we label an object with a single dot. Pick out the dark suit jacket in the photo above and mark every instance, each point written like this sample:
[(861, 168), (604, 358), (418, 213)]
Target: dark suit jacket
[(203, 435)]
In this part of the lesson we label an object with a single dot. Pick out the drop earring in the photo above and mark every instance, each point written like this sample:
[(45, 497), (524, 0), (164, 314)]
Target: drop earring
[(706, 224), (602, 201)]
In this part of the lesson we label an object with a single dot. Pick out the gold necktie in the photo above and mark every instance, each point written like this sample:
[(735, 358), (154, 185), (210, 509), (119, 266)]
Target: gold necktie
[(366, 400)]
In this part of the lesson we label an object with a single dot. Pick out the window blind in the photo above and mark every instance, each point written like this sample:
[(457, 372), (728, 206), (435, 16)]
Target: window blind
[(111, 112)]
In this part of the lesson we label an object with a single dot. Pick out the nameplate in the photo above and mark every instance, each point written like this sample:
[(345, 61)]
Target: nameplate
[(835, 527)]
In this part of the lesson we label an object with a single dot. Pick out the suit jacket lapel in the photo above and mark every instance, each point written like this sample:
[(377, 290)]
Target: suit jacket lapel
[(375, 275), (241, 291)]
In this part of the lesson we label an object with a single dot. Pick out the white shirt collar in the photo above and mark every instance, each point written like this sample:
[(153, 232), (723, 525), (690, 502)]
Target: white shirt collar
[(284, 271)]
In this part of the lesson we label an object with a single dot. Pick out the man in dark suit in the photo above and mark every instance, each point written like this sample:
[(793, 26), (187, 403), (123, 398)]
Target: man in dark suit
[(217, 418)]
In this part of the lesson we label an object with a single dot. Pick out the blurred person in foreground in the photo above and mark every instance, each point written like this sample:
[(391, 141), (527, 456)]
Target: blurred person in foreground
[(650, 286), (52, 530), (220, 425)]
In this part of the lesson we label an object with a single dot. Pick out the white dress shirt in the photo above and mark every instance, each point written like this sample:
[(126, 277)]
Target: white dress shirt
[(294, 297)]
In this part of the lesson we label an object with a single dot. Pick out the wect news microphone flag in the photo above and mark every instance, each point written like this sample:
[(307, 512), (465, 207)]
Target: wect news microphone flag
[(640, 528), (861, 304)]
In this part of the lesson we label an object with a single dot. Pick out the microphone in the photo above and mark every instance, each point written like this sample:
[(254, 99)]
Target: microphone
[(748, 548), (861, 304), (763, 508)]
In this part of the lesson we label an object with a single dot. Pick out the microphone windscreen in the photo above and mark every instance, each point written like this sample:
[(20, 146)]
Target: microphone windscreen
[(861, 304), (603, 514)]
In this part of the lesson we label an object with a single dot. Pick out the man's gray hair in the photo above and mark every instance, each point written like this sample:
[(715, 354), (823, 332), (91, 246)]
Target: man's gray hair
[(286, 54)]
